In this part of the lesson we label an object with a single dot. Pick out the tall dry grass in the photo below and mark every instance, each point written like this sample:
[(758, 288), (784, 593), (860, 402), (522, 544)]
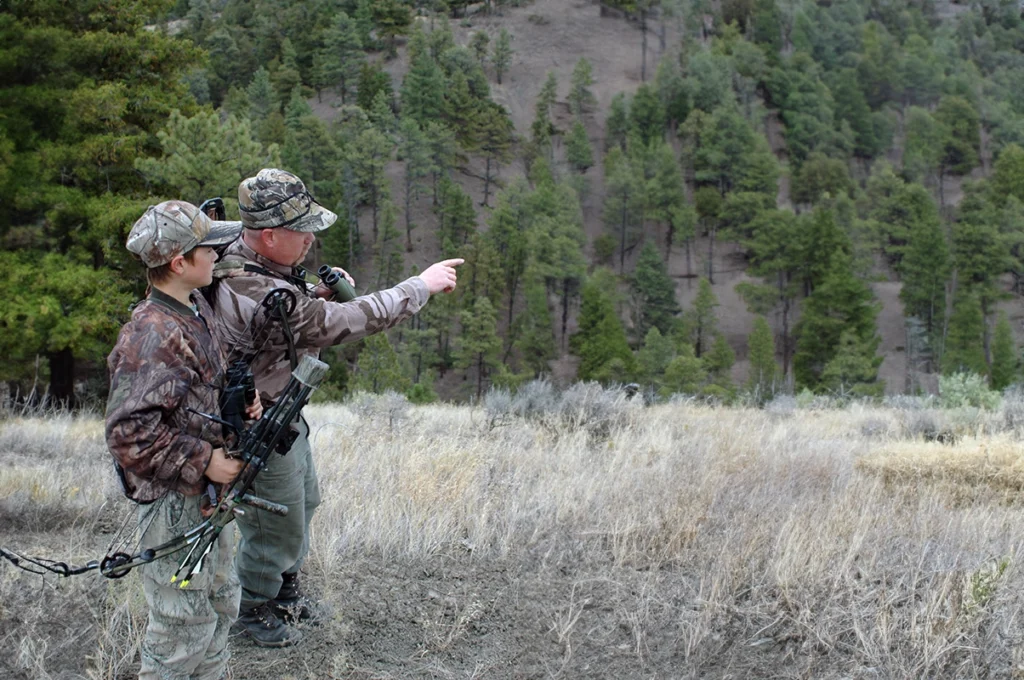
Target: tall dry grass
[(842, 543)]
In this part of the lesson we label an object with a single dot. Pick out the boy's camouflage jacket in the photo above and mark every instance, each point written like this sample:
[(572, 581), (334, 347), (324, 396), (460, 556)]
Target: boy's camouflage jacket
[(166, 361), (315, 323)]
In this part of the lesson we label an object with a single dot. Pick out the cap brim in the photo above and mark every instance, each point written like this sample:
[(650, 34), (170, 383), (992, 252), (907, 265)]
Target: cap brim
[(318, 219), (222, 233)]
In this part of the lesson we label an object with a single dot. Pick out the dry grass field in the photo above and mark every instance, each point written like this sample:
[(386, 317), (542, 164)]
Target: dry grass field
[(583, 536)]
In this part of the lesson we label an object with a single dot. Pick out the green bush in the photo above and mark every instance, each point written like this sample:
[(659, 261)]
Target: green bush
[(960, 390)]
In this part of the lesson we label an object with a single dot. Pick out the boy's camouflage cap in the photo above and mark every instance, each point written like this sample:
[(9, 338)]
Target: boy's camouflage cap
[(275, 198), (173, 228)]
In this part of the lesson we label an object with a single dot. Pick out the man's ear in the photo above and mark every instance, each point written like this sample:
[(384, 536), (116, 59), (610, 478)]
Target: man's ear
[(268, 237)]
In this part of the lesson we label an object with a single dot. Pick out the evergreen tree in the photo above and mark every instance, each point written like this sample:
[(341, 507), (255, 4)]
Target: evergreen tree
[(502, 56), (623, 204), (480, 44), (653, 358), (493, 136), (204, 157), (479, 345), (672, 92), (372, 80), (368, 154), (581, 99), (456, 219), (647, 116), (382, 115), (389, 250), (718, 364), (665, 194), (423, 91), (821, 176), (617, 124), (378, 368), (854, 368), (964, 349), (578, 151), (763, 377), (701, 320), (1005, 359), (685, 374), (535, 337), (441, 142), (414, 149), (341, 57), (653, 293), (841, 303), (961, 134), (924, 269), (600, 342)]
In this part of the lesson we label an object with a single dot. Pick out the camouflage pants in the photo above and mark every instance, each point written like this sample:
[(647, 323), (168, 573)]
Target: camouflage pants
[(272, 545), (188, 627)]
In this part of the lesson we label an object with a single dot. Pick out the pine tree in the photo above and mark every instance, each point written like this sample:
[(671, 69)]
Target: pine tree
[(378, 368), (961, 132), (854, 368), (341, 57), (479, 345), (654, 357), (261, 96), (581, 99), (600, 342), (617, 124), (924, 269), (479, 44), (718, 364), (763, 379), (578, 151), (204, 157), (441, 141), (623, 204), (502, 56), (493, 137), (368, 155), (1005, 358), (535, 338), (701, 319), (414, 149), (647, 116), (372, 80), (685, 374), (389, 250), (840, 303), (423, 91), (964, 348), (653, 293), (455, 215)]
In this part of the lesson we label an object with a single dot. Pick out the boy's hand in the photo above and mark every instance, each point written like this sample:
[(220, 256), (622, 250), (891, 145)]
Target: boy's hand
[(441, 277), (222, 469)]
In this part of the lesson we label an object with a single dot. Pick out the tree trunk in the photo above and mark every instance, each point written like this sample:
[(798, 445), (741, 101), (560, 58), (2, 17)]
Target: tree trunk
[(711, 256), (643, 46), (62, 377), (408, 210), (487, 182), (565, 309)]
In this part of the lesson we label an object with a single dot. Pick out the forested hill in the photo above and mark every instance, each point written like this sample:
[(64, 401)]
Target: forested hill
[(725, 199)]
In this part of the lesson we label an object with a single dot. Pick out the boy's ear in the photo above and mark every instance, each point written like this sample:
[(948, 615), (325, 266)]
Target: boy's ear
[(178, 264)]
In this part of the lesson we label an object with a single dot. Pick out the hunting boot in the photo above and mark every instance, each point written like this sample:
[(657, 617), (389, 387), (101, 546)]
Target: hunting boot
[(292, 605), (262, 626)]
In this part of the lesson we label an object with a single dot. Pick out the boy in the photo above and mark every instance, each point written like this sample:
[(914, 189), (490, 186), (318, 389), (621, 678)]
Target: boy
[(165, 367)]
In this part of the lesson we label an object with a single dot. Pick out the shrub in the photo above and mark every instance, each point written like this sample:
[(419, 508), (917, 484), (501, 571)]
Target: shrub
[(961, 390)]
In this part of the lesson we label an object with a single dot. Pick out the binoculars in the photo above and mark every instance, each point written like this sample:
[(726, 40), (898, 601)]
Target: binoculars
[(343, 290)]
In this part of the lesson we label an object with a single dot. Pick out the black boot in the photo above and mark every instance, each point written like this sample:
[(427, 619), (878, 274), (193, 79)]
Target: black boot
[(262, 626), (292, 605)]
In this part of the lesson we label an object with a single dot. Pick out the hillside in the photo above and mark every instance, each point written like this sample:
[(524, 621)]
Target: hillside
[(849, 169)]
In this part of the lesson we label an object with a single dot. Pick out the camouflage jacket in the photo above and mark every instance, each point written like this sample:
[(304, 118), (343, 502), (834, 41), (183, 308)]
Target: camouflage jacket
[(165, 362), (315, 322)]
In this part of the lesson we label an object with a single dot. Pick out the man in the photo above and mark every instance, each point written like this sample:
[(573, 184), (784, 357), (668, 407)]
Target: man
[(280, 220), (165, 367)]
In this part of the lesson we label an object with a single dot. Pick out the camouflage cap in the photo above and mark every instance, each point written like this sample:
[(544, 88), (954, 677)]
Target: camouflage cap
[(173, 228), (275, 198)]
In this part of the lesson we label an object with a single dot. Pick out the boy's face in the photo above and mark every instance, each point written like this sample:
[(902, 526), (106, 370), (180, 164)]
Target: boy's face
[(199, 272)]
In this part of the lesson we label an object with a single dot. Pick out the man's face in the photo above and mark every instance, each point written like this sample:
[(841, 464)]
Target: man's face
[(289, 247), (199, 272)]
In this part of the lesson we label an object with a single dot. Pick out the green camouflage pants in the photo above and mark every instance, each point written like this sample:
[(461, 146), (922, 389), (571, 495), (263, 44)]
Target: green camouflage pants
[(272, 545), (188, 627)]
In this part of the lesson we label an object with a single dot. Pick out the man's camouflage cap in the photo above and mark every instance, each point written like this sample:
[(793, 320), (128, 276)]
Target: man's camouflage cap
[(275, 198), (174, 228)]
